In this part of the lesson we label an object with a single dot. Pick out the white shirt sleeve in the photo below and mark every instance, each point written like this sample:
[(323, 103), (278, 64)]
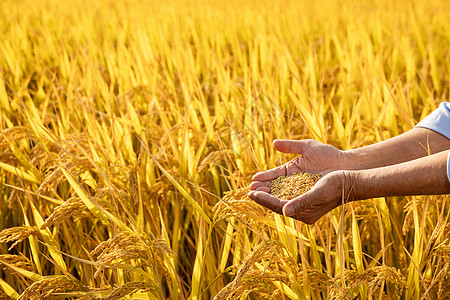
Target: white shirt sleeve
[(439, 121)]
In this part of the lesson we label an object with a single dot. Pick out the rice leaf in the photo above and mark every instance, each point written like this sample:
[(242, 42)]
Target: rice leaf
[(8, 289), (178, 186), (19, 172), (101, 214)]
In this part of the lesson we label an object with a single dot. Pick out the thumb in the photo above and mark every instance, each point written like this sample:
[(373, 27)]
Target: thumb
[(293, 146), (296, 206)]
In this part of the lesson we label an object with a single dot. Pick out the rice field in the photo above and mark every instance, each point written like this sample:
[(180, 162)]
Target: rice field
[(130, 131)]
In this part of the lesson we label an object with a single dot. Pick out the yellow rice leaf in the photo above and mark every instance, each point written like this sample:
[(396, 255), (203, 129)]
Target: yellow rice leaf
[(188, 153), (33, 246), (413, 281), (139, 295), (199, 149), (357, 249), (39, 129), (178, 186), (53, 200), (4, 99), (48, 238), (135, 119), (204, 111), (338, 126), (316, 261), (357, 244), (95, 155), (292, 231), (166, 126), (288, 239), (21, 173), (237, 149), (350, 124), (8, 289), (26, 273), (286, 290), (170, 263), (226, 247), (93, 208), (197, 271), (309, 118)]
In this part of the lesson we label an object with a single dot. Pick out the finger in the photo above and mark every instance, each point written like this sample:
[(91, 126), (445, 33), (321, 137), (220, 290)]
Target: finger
[(293, 146), (256, 184), (270, 174), (267, 200), (296, 206), (265, 189), (251, 195)]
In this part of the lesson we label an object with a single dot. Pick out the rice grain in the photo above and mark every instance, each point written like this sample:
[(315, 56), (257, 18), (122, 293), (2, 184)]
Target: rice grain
[(291, 186)]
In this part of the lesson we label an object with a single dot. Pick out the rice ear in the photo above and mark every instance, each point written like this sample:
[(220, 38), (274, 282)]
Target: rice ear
[(49, 286)]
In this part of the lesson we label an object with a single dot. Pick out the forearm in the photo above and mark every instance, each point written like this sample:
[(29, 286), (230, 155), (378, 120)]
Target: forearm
[(422, 176), (416, 143)]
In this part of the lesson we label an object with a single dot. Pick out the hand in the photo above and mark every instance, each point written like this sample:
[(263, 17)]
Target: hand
[(315, 158), (328, 193)]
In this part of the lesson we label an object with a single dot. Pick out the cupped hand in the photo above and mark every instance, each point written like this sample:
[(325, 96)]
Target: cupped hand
[(329, 192), (315, 157)]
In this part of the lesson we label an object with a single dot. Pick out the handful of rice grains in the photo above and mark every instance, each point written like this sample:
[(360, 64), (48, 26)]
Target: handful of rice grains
[(291, 186)]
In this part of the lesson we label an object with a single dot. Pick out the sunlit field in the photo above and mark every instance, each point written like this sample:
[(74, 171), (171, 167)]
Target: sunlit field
[(129, 132)]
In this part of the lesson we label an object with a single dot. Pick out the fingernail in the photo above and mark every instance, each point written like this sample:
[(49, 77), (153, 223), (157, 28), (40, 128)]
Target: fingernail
[(288, 211)]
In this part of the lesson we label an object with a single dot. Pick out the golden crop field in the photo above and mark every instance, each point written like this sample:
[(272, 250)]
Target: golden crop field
[(130, 131)]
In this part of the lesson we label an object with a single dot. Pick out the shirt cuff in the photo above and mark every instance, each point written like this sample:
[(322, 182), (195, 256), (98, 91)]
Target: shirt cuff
[(438, 120)]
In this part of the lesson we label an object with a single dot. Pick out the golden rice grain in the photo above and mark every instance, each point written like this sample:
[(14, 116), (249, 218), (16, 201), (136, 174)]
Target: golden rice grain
[(49, 286), (17, 234), (236, 204), (16, 261), (126, 246), (292, 186), (73, 207), (247, 279), (375, 278)]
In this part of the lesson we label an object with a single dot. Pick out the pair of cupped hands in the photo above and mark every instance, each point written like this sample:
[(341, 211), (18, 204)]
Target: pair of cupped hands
[(332, 190)]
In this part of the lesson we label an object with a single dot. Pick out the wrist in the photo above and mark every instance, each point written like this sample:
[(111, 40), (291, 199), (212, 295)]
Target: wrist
[(350, 185), (349, 159), (345, 180), (361, 159)]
